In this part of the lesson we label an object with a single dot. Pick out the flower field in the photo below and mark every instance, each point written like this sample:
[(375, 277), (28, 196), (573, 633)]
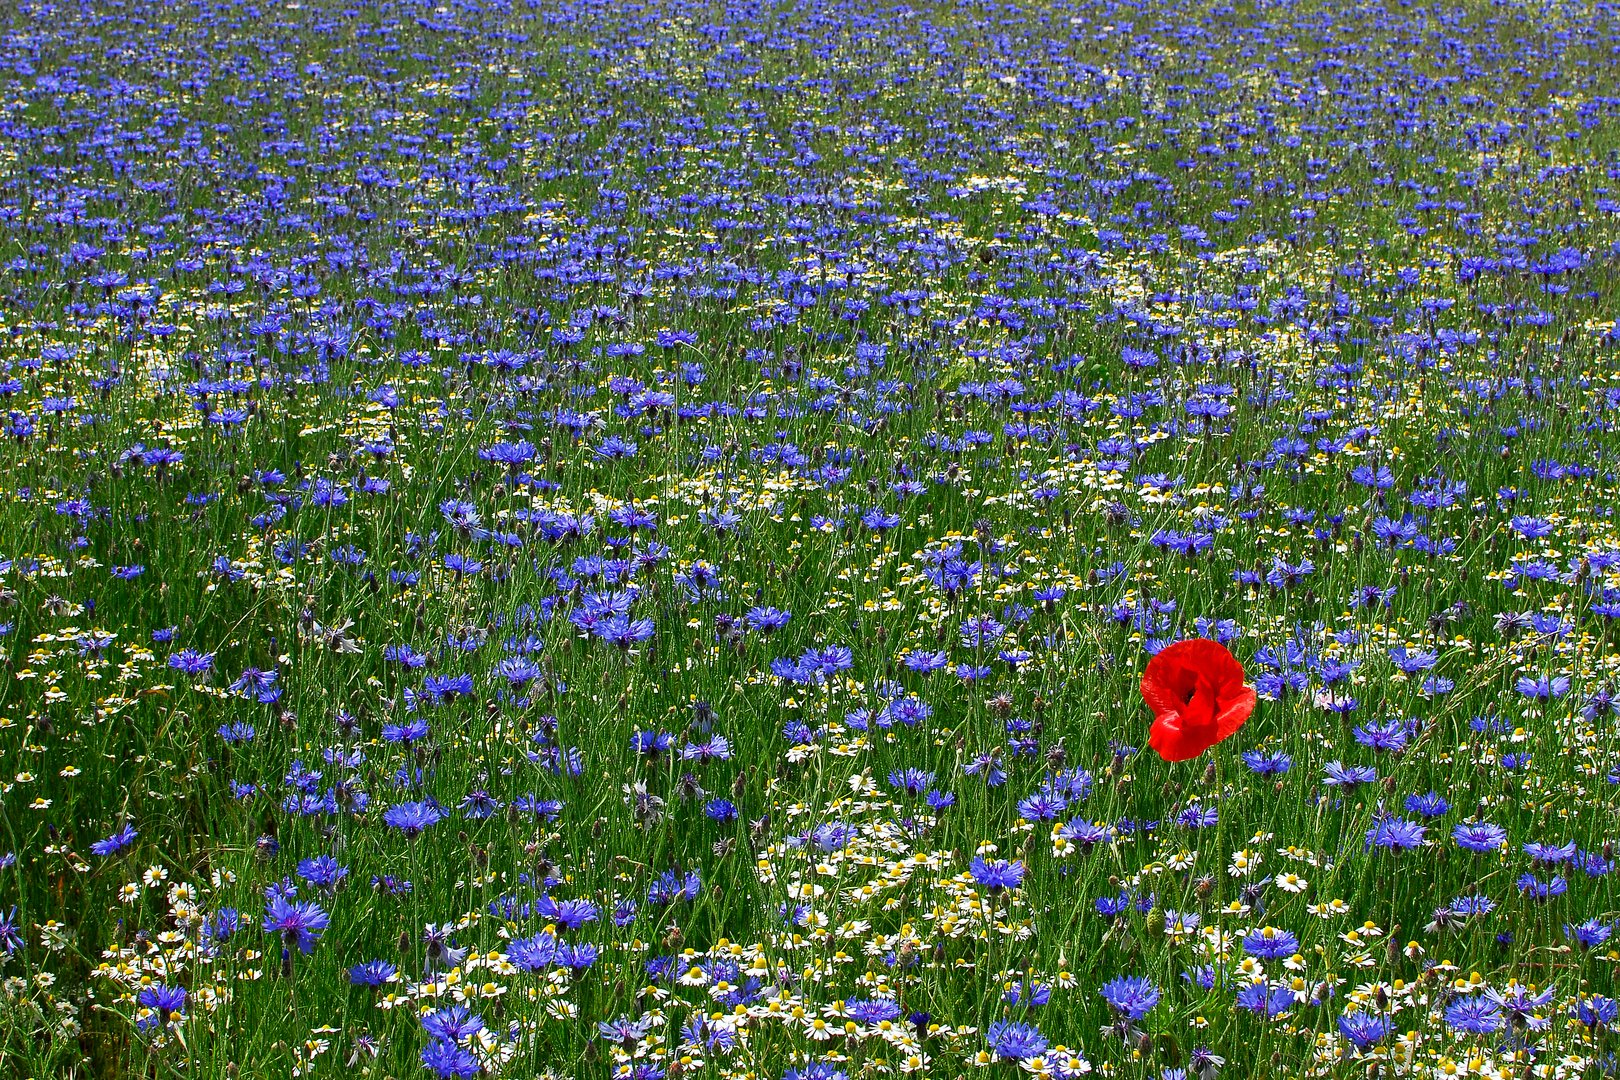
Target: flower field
[(809, 541)]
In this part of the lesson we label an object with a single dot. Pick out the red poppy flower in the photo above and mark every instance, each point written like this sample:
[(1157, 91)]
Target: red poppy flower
[(1195, 689)]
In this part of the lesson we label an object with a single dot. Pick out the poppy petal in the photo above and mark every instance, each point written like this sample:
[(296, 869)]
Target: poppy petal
[(1159, 696), (1236, 713), (1172, 743), (1196, 691)]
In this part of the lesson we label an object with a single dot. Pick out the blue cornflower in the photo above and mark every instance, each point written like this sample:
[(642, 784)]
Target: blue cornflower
[(1364, 1029), (651, 743), (160, 1006), (988, 766), (192, 662), (1592, 863), (624, 1031), (1550, 854), (297, 922), (222, 925), (1340, 775), (1479, 836), (518, 670), (414, 818), (323, 872), (1267, 764), (613, 447), (1087, 834), (1266, 1000), (412, 730), (816, 1070), (872, 1010), (997, 874), (909, 710), (766, 620), (1073, 784), (479, 805), (1589, 934), (237, 732), (1027, 993), (1397, 834), (453, 1024), (673, 886), (1543, 687), (1198, 817), (1270, 943), (714, 748), (119, 840), (447, 1059), (925, 662), (259, 685), (880, 520), (373, 973), (1530, 528), (1042, 806), (1474, 1014), (1390, 735), (1521, 1005), (1473, 905), (1131, 996), (1015, 1042), (1427, 806), (1536, 889), (911, 781), (623, 631), (1596, 1010), (535, 953), (1412, 662)]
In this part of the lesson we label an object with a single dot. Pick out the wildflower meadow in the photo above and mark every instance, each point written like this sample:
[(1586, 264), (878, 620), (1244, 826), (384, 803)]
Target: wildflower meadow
[(809, 539)]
